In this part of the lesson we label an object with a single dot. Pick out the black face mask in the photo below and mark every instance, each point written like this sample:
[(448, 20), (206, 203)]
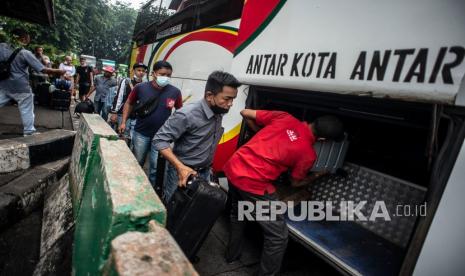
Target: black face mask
[(218, 110)]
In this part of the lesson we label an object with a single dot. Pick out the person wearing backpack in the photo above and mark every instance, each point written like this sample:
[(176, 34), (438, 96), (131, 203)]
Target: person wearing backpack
[(14, 77), (125, 87)]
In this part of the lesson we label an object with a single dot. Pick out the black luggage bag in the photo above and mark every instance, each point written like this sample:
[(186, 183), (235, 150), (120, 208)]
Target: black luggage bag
[(61, 99), (192, 212), (43, 94)]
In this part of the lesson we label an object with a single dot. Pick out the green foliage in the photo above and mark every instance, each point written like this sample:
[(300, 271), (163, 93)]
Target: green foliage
[(92, 27)]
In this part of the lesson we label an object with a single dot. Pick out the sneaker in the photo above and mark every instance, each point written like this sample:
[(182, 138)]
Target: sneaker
[(30, 134)]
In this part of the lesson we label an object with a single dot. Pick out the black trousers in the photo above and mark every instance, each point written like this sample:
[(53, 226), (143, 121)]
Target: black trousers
[(275, 233), (83, 90)]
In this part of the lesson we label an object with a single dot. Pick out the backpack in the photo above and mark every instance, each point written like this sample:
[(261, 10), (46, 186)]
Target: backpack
[(84, 107), (5, 66)]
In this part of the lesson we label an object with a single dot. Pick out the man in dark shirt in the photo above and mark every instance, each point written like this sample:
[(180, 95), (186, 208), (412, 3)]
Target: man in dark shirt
[(146, 127), (85, 78)]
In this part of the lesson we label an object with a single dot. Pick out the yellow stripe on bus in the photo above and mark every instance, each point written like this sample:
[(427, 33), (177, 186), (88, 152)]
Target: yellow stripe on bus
[(231, 134), (165, 44)]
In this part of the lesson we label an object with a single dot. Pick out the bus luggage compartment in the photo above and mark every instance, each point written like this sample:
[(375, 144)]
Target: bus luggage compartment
[(389, 160), (360, 247)]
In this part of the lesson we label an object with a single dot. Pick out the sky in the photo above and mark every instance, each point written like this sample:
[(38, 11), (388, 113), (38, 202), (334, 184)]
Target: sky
[(137, 3)]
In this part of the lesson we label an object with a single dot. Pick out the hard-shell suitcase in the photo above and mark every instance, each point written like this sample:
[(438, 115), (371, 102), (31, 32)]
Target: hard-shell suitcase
[(61, 99), (192, 212), (43, 94)]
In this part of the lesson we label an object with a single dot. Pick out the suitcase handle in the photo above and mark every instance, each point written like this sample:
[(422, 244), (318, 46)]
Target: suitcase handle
[(191, 185), (190, 179)]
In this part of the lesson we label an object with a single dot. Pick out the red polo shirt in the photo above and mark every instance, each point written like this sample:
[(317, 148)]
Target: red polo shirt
[(283, 143)]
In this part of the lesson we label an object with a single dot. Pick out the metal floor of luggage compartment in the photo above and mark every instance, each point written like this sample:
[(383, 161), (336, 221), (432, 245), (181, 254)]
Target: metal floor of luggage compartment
[(361, 248)]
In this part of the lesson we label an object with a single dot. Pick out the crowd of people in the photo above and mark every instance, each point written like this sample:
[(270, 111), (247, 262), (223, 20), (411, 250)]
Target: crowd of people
[(152, 115)]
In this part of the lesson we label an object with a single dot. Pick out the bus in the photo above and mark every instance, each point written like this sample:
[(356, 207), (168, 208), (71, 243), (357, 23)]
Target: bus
[(393, 72)]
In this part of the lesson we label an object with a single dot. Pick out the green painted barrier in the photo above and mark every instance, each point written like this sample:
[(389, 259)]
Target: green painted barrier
[(116, 198), (91, 128)]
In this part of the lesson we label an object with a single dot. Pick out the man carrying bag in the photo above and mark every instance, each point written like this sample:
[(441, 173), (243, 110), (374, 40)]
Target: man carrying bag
[(152, 103)]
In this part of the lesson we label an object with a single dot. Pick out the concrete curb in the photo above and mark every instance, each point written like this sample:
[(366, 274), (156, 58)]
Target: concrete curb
[(117, 198), (91, 129), (25, 193), (153, 253), (75, 119), (25, 152)]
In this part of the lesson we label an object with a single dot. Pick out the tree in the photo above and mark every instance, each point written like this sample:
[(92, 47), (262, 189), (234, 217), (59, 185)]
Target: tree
[(94, 27)]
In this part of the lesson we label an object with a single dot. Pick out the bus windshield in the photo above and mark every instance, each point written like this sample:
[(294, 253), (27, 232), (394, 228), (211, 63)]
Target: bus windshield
[(191, 15)]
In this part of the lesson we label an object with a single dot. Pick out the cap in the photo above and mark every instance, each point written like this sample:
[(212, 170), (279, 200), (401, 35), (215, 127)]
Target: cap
[(108, 69), (139, 64)]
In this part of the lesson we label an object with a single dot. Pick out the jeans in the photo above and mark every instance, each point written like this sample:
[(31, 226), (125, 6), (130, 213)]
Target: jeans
[(101, 109), (275, 233), (132, 126), (142, 145), (26, 107), (127, 130), (171, 180)]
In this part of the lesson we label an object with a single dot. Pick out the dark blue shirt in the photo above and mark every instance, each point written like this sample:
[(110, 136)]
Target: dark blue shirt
[(170, 97)]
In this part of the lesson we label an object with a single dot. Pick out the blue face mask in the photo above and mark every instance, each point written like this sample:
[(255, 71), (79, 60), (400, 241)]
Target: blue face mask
[(163, 81)]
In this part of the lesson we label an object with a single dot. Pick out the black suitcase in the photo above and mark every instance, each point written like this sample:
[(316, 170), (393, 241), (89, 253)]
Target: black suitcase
[(61, 99), (192, 212), (43, 94)]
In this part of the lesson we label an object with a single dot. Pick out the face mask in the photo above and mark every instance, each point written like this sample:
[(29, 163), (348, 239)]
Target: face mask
[(163, 81), (217, 109), (137, 79)]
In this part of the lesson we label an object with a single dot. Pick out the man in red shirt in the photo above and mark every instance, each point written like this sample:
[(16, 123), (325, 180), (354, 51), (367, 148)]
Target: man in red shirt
[(283, 143)]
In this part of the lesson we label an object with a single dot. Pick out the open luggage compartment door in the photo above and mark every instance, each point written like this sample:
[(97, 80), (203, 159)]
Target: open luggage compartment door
[(330, 155)]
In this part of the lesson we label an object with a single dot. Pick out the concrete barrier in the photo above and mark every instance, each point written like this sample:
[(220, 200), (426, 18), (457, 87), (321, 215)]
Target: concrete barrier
[(91, 129), (24, 152), (116, 198), (152, 253)]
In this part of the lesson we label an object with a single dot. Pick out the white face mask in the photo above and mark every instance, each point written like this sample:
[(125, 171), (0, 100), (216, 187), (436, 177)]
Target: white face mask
[(163, 81)]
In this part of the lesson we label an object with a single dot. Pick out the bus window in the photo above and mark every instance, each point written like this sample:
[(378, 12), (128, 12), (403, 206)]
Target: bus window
[(149, 15)]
